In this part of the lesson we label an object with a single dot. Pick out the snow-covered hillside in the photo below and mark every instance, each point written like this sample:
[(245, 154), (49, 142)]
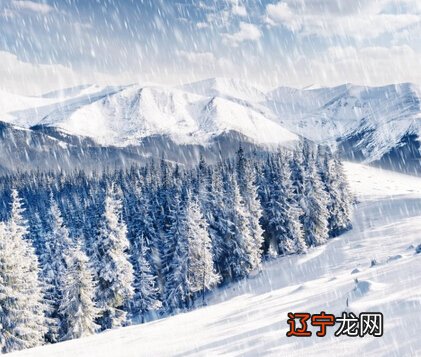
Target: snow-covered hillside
[(35, 109), (249, 318)]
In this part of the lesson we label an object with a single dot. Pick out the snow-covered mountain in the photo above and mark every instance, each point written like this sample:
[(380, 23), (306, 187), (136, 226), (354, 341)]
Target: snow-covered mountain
[(372, 124), (122, 116), (133, 113), (369, 124)]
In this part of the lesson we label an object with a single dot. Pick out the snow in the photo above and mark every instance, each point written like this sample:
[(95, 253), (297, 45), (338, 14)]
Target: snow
[(249, 318), (13, 102), (30, 111)]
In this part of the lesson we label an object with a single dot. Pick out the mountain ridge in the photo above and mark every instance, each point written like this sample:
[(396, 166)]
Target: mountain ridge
[(369, 124)]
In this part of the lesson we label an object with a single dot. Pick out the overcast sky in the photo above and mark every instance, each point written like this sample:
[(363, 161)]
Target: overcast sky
[(59, 43)]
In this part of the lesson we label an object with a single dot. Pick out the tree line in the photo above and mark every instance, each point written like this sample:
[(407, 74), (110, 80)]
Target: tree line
[(81, 253)]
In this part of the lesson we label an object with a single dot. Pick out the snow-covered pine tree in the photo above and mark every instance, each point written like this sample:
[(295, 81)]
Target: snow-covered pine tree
[(93, 214), (189, 267), (202, 188), (152, 177), (17, 225), (262, 168), (217, 215), (336, 187), (284, 228), (114, 272), (163, 200), (201, 275), (246, 178), (146, 297), (77, 309), (298, 170), (53, 266), (175, 258), (314, 202), (36, 233), (342, 222), (144, 253), (22, 319), (238, 258)]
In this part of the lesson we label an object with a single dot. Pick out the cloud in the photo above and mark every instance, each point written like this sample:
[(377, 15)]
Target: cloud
[(200, 58), (353, 19), (33, 79), (206, 64), (202, 25), (41, 8), (239, 10), (370, 65), (223, 13), (247, 32), (219, 19), (7, 14), (281, 13)]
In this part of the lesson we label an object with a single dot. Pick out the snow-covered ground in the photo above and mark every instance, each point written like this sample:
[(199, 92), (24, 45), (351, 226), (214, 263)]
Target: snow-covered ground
[(250, 318)]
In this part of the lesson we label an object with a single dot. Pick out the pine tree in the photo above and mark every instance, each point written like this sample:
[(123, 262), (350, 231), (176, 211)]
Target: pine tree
[(238, 259), (175, 259), (202, 188), (37, 233), (314, 204), (217, 215), (202, 275), (336, 187), (298, 171), (146, 292), (114, 271), (284, 228), (22, 320), (143, 231), (144, 254), (342, 219), (77, 309), (246, 178), (53, 263)]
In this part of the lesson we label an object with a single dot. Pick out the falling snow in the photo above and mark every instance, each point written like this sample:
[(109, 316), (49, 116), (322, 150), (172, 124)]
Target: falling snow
[(179, 85)]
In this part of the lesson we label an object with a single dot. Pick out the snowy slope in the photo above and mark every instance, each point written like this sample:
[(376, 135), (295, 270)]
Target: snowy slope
[(10, 102), (249, 318), (63, 101)]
